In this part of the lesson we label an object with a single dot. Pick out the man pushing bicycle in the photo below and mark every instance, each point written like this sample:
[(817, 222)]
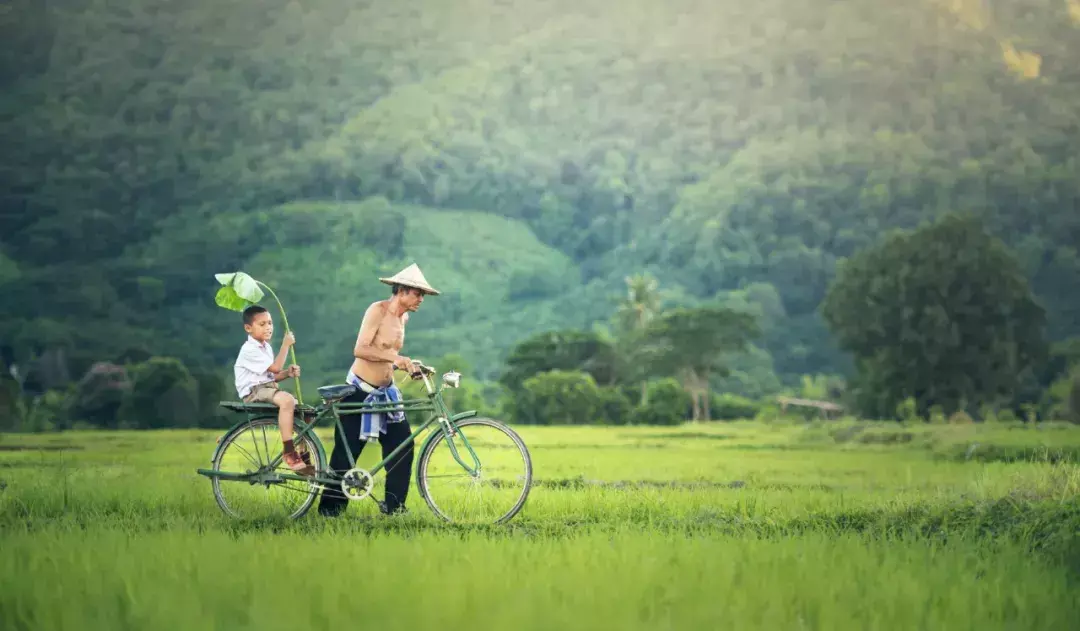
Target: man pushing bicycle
[(376, 356)]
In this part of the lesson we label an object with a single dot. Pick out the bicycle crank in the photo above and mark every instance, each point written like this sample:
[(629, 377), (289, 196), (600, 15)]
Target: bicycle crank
[(357, 484)]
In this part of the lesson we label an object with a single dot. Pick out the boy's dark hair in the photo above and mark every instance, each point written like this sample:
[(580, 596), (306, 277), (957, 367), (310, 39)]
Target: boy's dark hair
[(251, 312)]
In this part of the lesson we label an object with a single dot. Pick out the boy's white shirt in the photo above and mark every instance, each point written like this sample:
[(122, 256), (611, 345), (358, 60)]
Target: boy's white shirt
[(252, 364)]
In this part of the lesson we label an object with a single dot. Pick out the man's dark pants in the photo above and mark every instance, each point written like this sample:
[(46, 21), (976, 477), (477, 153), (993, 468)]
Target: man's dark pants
[(398, 470)]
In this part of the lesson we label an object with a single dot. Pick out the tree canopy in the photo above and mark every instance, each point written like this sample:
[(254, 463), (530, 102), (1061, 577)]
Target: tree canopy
[(943, 315), (694, 344)]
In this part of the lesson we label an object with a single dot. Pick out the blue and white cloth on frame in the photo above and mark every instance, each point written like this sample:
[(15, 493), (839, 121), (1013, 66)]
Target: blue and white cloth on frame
[(373, 424)]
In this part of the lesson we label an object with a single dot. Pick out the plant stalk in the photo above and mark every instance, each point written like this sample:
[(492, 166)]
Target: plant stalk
[(292, 349)]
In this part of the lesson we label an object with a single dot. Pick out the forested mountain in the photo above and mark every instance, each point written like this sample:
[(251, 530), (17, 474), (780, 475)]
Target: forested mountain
[(527, 155)]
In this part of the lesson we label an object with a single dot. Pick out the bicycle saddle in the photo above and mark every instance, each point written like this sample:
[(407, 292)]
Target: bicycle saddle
[(336, 392)]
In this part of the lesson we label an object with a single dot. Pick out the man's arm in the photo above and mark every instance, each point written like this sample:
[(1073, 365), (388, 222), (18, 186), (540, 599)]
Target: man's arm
[(364, 348)]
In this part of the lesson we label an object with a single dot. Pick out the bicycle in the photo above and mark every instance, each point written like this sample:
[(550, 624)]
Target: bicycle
[(492, 490)]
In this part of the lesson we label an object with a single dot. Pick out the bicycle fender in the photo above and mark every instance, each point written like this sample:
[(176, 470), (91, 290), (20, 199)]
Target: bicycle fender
[(436, 435), (228, 432)]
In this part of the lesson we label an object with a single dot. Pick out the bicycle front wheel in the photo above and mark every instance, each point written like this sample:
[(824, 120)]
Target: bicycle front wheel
[(249, 450), (486, 483)]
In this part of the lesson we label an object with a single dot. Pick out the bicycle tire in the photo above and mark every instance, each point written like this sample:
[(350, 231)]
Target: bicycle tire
[(310, 442), (431, 446)]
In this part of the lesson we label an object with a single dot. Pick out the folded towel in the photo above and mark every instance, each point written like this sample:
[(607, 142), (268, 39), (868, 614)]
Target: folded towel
[(372, 424)]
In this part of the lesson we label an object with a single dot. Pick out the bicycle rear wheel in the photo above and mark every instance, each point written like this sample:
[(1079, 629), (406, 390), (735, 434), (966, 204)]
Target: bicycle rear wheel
[(497, 487), (249, 449)]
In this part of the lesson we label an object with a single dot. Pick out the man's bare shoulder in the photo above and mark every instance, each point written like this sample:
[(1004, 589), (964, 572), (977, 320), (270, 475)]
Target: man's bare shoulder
[(377, 309)]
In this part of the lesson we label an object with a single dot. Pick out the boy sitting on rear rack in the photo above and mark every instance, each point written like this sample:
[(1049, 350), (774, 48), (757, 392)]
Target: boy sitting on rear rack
[(257, 372)]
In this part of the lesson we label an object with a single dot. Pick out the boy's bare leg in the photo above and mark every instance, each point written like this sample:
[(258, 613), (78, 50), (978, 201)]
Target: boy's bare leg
[(286, 406)]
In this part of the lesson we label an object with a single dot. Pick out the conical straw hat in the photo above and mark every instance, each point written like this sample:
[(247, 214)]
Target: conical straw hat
[(411, 276)]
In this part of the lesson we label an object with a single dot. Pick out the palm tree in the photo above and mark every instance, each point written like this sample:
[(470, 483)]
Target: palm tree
[(635, 311)]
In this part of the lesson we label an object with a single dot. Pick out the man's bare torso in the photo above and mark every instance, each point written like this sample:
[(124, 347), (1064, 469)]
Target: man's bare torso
[(385, 332)]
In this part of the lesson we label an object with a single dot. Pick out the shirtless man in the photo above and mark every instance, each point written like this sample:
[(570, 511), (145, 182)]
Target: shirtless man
[(376, 356)]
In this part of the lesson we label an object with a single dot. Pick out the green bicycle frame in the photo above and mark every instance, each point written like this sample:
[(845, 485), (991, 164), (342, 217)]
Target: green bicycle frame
[(335, 410)]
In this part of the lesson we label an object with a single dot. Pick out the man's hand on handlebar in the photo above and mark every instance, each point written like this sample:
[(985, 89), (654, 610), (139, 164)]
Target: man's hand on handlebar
[(418, 369)]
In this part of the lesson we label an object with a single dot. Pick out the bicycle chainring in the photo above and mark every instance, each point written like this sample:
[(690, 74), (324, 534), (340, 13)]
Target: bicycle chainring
[(357, 484)]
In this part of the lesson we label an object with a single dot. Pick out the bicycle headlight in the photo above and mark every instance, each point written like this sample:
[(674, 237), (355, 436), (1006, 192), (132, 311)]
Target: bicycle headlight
[(452, 379)]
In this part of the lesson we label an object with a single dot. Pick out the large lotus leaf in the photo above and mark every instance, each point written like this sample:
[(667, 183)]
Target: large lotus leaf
[(239, 291)]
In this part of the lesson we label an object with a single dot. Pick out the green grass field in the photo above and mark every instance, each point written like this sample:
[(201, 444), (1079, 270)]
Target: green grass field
[(707, 526)]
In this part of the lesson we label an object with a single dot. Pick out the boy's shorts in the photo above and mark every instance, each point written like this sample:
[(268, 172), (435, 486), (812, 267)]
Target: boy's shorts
[(262, 393)]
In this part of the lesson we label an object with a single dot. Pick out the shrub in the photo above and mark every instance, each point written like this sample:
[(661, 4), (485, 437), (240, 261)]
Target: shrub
[(100, 393), (41, 413), (1073, 407), (769, 411), (731, 407), (615, 408), (988, 413), (669, 404), (1007, 416), (9, 395), (907, 410), (557, 397), (960, 417), (163, 394)]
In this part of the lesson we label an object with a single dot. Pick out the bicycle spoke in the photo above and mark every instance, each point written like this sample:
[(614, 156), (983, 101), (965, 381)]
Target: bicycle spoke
[(247, 454), (255, 444)]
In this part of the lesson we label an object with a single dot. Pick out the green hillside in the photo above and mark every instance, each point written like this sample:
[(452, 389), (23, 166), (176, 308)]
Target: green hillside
[(736, 151), (500, 282)]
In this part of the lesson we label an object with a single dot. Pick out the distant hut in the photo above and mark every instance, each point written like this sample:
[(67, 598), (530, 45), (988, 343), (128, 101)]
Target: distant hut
[(825, 408)]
